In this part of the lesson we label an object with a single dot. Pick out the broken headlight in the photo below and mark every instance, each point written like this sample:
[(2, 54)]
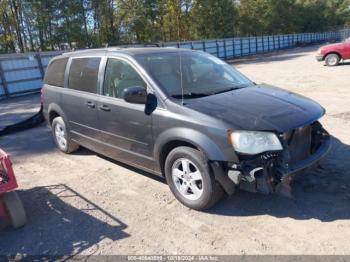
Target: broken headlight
[(254, 142)]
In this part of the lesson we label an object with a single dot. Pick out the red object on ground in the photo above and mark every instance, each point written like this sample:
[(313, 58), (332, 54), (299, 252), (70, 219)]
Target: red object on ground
[(341, 49), (7, 176), (11, 208)]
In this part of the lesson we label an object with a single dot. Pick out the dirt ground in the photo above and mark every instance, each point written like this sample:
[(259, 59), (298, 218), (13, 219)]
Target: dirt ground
[(86, 204)]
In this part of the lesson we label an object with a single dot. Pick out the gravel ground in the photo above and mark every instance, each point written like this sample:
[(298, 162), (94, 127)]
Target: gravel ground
[(86, 204)]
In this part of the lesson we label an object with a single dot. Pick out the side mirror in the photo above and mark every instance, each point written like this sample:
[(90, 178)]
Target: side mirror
[(135, 94)]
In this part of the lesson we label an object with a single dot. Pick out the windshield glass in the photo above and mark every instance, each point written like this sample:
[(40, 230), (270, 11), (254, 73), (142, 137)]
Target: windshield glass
[(202, 74)]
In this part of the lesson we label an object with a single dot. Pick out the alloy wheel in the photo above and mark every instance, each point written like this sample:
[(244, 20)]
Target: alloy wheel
[(187, 179)]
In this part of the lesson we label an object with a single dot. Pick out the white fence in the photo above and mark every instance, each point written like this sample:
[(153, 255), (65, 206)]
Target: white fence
[(23, 73)]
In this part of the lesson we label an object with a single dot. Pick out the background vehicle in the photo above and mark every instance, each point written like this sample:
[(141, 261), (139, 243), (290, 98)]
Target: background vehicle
[(332, 54), (184, 115)]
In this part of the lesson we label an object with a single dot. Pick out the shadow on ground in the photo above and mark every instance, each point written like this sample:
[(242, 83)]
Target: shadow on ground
[(323, 194), (344, 63), (60, 222)]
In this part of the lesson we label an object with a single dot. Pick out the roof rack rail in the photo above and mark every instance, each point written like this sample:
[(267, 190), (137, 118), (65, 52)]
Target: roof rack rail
[(129, 45)]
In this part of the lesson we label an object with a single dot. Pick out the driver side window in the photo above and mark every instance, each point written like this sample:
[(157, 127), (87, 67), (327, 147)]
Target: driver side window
[(118, 76)]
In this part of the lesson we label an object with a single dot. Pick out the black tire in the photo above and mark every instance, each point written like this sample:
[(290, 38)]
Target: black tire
[(212, 191), (15, 209), (332, 60), (69, 146)]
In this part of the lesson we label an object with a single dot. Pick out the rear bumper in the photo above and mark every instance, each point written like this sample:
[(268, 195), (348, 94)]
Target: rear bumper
[(319, 58)]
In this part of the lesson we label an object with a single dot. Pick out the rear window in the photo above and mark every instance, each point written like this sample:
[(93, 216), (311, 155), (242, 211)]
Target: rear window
[(55, 72), (83, 74)]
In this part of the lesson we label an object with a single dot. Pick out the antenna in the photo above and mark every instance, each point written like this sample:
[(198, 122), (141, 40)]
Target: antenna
[(182, 89), (181, 84)]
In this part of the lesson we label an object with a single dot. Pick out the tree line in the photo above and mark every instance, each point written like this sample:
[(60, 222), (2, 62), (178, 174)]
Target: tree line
[(33, 25)]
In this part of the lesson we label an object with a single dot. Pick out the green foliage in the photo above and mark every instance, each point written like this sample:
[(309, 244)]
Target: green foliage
[(28, 25), (214, 19)]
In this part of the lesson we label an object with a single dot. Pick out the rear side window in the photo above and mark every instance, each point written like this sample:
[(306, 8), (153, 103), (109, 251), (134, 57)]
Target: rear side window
[(55, 72), (83, 74)]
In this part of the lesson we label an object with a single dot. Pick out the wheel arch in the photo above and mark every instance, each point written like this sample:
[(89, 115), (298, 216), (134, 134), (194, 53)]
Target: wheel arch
[(55, 111), (332, 52), (176, 137)]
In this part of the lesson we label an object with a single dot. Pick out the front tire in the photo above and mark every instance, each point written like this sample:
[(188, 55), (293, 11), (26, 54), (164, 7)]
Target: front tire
[(61, 136), (332, 60), (190, 178)]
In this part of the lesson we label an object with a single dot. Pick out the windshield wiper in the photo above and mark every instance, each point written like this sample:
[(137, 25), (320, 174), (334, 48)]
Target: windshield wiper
[(230, 89), (191, 95)]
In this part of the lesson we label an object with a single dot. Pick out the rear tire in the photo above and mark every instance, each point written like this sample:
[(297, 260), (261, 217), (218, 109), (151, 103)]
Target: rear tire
[(190, 178), (15, 209), (332, 60), (61, 136)]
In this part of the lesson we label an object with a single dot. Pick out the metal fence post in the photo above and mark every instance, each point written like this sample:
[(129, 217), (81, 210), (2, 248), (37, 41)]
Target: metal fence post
[(3, 81), (249, 47), (263, 43), (217, 48), (279, 42), (225, 54), (256, 44), (268, 43), (233, 47), (192, 45), (40, 64), (204, 47), (241, 43), (289, 44)]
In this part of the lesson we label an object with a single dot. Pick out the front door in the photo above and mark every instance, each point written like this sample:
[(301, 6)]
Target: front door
[(125, 128)]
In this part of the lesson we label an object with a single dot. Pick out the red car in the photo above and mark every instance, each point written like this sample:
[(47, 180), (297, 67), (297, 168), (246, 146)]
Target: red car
[(333, 53)]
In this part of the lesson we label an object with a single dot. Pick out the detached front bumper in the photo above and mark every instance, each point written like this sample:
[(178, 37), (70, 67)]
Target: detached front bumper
[(273, 171), (311, 162)]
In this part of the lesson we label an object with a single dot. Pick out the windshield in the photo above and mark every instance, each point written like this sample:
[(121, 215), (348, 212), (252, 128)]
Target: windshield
[(202, 74)]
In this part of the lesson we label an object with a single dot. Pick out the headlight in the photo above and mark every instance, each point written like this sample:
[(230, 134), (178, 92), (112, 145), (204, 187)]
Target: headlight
[(319, 51), (254, 142)]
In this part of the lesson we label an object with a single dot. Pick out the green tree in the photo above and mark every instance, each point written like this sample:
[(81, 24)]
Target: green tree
[(213, 18)]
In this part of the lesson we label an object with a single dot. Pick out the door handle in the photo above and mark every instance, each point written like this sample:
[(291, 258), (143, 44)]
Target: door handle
[(104, 108), (90, 104)]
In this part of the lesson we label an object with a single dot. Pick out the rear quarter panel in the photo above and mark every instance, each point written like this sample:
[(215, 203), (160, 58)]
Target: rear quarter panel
[(51, 100)]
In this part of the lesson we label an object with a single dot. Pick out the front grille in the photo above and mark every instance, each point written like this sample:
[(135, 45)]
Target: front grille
[(299, 143)]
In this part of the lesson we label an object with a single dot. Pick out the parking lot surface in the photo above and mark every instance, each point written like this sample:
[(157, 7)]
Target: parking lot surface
[(87, 204)]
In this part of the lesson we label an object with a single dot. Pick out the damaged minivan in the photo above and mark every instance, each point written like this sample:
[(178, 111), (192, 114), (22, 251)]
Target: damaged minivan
[(184, 115)]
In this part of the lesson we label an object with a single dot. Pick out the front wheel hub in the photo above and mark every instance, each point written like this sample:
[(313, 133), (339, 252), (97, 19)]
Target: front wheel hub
[(187, 178)]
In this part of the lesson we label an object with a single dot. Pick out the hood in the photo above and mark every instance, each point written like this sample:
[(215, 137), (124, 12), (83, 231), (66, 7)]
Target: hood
[(336, 45), (260, 107)]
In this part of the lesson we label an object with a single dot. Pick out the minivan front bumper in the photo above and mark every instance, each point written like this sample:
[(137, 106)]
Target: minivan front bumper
[(311, 162), (273, 171)]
